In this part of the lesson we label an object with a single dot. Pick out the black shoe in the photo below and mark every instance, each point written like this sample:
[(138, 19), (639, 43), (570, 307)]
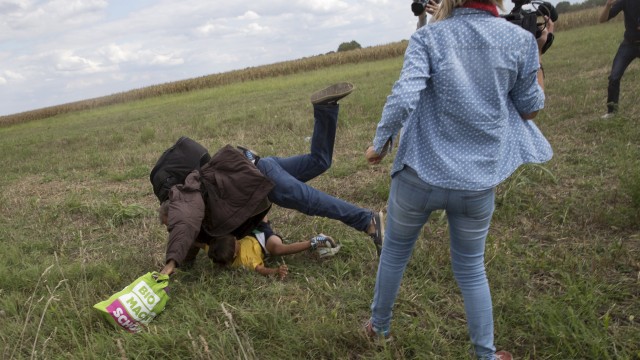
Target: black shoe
[(378, 235), (330, 95), (250, 155)]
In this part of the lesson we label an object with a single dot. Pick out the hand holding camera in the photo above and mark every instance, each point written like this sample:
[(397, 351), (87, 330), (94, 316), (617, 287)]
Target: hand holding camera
[(419, 7), (546, 36), (538, 20)]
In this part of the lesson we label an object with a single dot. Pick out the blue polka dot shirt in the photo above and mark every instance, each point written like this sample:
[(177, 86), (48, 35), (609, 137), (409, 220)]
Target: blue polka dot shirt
[(464, 83)]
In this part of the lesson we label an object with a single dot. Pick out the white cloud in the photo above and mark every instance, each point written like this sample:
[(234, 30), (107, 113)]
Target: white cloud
[(83, 83), (255, 28), (11, 75), (166, 59), (335, 21), (75, 11), (12, 6), (2, 80), (28, 18), (137, 54), (249, 15), (115, 53), (323, 5), (212, 28), (69, 63)]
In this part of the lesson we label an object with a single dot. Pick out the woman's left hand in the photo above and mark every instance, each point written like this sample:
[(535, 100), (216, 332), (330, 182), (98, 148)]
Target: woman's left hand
[(372, 156)]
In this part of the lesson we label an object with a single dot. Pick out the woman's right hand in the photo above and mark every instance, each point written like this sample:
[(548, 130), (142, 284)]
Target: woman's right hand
[(431, 7)]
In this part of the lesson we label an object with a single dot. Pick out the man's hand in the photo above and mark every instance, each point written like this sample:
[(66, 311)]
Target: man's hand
[(548, 29), (168, 268), (372, 156), (604, 15)]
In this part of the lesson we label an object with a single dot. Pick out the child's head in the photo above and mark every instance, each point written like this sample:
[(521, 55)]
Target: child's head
[(223, 250)]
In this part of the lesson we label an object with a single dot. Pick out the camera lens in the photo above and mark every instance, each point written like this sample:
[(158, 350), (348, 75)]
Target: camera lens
[(417, 8)]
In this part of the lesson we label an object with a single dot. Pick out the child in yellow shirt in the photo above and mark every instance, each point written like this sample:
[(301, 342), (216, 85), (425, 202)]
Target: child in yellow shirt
[(250, 251)]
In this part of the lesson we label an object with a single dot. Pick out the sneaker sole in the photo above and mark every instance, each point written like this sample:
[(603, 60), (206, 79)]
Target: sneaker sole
[(379, 218), (325, 252), (333, 92)]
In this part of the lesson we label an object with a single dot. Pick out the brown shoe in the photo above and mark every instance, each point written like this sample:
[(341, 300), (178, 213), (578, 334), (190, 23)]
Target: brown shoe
[(330, 95), (503, 355), (375, 334)]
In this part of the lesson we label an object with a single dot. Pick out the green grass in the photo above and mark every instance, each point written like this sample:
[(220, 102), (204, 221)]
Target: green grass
[(78, 223)]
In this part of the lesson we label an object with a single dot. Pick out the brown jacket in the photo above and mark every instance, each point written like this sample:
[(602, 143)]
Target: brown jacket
[(235, 197)]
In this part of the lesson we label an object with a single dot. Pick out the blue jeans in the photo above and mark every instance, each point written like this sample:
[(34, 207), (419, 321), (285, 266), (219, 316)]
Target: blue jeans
[(291, 174), (469, 213), (625, 55)]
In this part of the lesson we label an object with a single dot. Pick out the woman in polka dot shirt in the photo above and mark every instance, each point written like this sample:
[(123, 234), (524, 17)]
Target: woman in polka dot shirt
[(470, 85)]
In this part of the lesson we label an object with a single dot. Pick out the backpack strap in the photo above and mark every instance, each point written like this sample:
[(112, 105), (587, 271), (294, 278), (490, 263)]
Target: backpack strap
[(259, 235)]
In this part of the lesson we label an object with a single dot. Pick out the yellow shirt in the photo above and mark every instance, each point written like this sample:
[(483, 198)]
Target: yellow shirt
[(250, 254)]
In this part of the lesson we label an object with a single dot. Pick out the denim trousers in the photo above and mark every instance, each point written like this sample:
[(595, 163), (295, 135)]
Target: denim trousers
[(291, 174), (625, 55), (469, 213)]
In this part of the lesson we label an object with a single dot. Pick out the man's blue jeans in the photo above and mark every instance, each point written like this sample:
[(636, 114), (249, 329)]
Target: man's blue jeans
[(290, 175), (469, 213), (625, 55)]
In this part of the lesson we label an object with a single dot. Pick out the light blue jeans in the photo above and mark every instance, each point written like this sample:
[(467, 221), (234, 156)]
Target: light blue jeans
[(469, 213), (290, 175)]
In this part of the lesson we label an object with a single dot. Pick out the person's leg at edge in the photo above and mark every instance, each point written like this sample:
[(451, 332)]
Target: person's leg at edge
[(406, 215), (294, 194), (625, 55), (469, 215), (318, 160)]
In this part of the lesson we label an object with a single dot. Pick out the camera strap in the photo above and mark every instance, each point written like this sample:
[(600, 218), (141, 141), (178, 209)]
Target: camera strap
[(548, 44)]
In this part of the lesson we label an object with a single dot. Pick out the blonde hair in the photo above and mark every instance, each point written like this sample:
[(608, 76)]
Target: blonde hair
[(446, 7)]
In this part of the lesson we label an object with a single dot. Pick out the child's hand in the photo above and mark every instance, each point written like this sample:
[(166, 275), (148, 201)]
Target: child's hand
[(283, 270)]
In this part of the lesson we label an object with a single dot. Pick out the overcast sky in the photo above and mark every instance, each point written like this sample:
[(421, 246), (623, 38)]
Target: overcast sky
[(57, 51)]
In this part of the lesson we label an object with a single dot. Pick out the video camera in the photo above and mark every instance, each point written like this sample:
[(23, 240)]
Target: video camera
[(528, 18), (525, 18)]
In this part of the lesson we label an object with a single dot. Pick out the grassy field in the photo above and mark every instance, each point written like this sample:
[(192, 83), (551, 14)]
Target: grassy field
[(78, 223)]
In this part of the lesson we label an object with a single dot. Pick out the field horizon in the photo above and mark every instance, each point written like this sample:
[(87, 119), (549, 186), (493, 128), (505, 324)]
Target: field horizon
[(78, 223), (567, 21)]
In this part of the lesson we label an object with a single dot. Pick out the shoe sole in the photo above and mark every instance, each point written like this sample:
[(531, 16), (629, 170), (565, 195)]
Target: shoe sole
[(332, 93), (326, 252), (379, 218)]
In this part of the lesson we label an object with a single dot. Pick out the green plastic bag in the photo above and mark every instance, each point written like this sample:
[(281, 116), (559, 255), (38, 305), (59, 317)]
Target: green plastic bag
[(137, 304)]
